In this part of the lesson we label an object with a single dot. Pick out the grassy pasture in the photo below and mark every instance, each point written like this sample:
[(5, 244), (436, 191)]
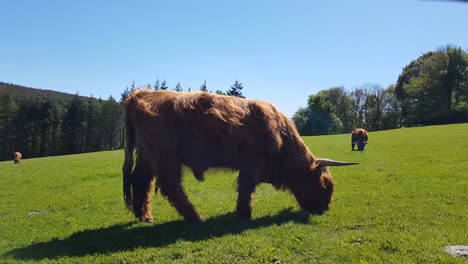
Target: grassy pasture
[(406, 200)]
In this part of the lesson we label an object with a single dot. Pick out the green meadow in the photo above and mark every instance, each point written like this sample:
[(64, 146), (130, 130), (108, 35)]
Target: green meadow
[(406, 200)]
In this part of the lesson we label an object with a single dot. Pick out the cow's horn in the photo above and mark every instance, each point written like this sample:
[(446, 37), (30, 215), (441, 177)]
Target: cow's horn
[(329, 162)]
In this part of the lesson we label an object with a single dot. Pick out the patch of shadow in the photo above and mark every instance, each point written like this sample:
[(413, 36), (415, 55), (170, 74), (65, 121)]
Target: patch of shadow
[(124, 237)]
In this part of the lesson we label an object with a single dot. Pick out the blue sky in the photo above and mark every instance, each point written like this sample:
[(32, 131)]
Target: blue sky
[(282, 51)]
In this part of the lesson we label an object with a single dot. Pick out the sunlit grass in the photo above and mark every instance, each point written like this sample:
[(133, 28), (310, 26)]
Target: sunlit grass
[(406, 200)]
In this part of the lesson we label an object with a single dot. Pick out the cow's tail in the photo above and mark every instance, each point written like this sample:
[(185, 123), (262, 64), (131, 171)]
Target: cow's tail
[(129, 149)]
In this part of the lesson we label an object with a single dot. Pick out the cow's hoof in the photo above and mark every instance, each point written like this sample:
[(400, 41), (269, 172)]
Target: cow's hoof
[(198, 219), (146, 220)]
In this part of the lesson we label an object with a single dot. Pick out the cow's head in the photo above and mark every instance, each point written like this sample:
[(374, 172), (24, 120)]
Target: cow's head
[(315, 190), (361, 144)]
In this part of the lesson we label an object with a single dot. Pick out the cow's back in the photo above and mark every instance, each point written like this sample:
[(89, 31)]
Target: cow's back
[(206, 130)]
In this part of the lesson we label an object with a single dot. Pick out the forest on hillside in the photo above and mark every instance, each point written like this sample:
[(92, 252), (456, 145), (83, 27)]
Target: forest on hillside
[(42, 123), (432, 89)]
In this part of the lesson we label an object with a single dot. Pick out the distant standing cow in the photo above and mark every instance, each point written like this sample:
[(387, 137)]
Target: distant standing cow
[(17, 157), (203, 130), (359, 136)]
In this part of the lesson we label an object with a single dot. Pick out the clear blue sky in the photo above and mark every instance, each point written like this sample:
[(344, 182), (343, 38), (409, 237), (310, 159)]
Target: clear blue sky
[(282, 51)]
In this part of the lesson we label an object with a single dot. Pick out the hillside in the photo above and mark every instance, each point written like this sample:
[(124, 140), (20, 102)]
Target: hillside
[(41, 123), (403, 203), (22, 91)]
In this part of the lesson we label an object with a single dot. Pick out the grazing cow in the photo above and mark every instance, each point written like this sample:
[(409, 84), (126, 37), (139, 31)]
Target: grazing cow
[(17, 157), (204, 130), (359, 136)]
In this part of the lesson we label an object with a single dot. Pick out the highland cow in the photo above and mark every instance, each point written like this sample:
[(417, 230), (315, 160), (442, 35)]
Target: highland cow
[(359, 136), (17, 157), (202, 130)]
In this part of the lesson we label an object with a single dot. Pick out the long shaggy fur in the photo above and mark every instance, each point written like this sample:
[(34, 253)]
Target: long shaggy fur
[(17, 157), (359, 136), (203, 130), (128, 159)]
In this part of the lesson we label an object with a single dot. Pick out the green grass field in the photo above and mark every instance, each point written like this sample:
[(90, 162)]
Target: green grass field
[(406, 200)]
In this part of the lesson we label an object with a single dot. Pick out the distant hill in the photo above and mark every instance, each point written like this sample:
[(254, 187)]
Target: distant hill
[(23, 91)]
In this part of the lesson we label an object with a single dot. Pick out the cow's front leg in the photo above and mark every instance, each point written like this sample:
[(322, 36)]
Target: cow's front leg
[(245, 189), (171, 187)]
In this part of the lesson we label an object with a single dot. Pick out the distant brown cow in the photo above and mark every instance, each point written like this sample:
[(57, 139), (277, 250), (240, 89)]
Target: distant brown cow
[(203, 130), (17, 157), (359, 136)]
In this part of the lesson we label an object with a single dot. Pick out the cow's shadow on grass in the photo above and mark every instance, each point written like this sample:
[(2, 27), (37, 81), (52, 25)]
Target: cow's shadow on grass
[(130, 236)]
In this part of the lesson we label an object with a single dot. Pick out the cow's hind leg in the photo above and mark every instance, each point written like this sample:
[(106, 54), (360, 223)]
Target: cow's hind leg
[(143, 187), (171, 186)]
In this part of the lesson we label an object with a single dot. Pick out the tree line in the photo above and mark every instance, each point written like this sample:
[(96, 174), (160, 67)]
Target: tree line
[(44, 125), (433, 89), (41, 123), (235, 89)]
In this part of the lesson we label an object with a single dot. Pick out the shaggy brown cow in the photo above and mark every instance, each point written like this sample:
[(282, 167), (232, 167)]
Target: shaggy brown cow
[(359, 136), (17, 157), (204, 130)]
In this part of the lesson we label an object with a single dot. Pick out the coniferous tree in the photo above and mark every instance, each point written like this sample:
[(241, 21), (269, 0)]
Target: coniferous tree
[(178, 88), (22, 128), (157, 85), (124, 94), (44, 126), (164, 85), (56, 146), (111, 135), (8, 111), (236, 89), (93, 126), (203, 87), (73, 126)]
